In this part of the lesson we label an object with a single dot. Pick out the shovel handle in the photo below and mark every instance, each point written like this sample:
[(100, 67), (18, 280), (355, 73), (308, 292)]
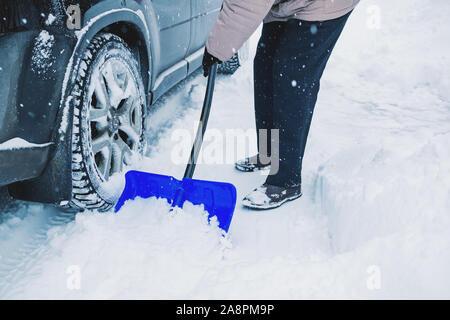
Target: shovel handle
[(189, 173)]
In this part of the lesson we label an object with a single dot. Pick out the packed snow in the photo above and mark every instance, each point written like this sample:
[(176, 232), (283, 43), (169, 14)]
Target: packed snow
[(43, 58), (374, 220), (19, 143)]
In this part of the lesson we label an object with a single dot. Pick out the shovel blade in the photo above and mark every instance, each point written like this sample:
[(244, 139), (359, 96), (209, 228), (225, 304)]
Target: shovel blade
[(218, 199)]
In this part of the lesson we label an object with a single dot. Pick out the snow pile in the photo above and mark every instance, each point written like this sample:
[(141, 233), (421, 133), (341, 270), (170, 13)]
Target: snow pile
[(388, 165), (144, 247), (373, 222)]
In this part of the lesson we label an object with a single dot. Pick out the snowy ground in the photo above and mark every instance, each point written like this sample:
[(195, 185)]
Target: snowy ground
[(374, 221)]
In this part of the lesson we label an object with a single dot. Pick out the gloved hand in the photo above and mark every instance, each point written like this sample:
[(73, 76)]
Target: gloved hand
[(208, 61)]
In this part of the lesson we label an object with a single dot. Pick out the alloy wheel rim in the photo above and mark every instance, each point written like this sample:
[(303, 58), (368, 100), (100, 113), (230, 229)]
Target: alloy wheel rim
[(115, 119)]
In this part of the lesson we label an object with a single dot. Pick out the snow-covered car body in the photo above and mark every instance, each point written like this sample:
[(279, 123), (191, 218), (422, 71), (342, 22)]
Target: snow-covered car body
[(40, 45)]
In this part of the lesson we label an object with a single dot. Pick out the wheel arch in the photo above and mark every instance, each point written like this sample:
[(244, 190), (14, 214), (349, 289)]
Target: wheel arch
[(139, 34), (137, 42)]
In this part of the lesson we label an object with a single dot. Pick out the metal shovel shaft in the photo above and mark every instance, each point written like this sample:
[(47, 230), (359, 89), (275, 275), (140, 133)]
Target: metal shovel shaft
[(197, 146), (189, 173)]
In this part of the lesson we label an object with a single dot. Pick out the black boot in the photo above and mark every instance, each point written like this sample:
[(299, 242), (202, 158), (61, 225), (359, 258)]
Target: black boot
[(269, 197), (251, 164)]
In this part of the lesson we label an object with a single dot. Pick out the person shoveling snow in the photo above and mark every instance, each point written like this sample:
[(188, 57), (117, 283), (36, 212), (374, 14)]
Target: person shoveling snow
[(297, 40)]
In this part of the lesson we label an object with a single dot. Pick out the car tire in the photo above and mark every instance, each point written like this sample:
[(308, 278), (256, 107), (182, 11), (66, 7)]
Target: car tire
[(231, 66), (109, 104)]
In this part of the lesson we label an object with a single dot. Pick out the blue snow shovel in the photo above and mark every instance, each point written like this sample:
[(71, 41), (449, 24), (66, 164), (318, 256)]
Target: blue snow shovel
[(219, 199)]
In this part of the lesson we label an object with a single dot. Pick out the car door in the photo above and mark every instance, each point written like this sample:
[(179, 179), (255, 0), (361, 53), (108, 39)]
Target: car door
[(204, 14), (174, 18)]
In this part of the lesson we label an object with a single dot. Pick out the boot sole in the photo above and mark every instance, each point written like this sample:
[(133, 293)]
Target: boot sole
[(243, 169), (260, 208)]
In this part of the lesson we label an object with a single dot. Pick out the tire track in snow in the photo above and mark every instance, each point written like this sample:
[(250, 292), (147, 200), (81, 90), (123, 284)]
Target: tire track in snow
[(25, 242)]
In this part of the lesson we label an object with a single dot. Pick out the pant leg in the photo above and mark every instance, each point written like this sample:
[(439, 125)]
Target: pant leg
[(263, 78), (300, 60)]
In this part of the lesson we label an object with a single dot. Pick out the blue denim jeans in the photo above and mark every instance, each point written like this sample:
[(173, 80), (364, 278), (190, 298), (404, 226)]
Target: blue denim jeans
[(290, 60)]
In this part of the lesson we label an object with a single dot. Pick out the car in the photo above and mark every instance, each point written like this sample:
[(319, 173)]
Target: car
[(76, 79)]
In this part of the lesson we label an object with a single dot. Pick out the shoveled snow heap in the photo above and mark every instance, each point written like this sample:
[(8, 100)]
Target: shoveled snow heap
[(374, 221)]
